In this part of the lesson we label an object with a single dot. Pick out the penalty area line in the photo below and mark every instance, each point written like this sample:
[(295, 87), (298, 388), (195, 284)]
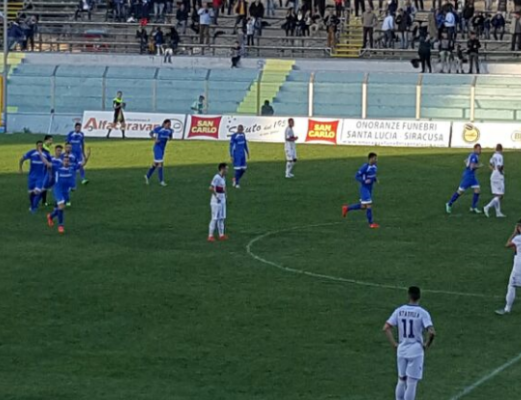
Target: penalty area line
[(281, 267), (486, 378)]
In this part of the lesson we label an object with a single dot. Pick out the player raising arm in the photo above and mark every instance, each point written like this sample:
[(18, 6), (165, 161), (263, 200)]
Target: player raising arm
[(161, 135), (238, 153), (468, 180), (513, 242), (411, 321), (218, 203), (37, 173), (366, 176), (497, 182)]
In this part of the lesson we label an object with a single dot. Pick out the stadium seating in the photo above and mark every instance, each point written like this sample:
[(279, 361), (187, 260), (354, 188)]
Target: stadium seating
[(70, 89)]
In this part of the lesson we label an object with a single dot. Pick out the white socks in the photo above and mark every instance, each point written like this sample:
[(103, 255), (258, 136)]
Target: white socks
[(511, 296), (220, 225), (213, 223), (410, 392), (496, 203), (400, 390), (289, 167)]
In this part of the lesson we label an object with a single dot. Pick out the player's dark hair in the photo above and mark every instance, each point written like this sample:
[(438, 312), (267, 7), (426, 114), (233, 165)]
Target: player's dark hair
[(47, 137), (477, 145), (39, 142), (414, 293), (222, 166), (371, 155), (167, 121), (59, 146), (67, 143), (77, 124)]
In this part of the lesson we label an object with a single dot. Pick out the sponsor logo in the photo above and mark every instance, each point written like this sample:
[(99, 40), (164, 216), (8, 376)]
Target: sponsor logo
[(470, 133), (322, 131), (132, 124), (207, 127), (516, 136)]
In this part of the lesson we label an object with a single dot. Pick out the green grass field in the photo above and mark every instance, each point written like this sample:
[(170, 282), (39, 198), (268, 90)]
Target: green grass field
[(132, 303)]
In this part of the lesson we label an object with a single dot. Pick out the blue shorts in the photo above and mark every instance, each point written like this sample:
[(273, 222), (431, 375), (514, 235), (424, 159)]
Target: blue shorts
[(159, 154), (36, 183), (48, 181), (61, 194), (239, 162), (366, 195), (468, 182), (78, 157)]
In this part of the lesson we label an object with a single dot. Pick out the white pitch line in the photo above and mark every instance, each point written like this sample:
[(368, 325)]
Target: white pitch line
[(486, 378), (336, 278)]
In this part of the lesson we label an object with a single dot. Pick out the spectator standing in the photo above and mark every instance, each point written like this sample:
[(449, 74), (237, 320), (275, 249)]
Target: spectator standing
[(15, 35), (142, 36), (241, 9), (467, 16), (459, 59), (236, 55), (306, 24), (339, 7), (473, 46), (257, 14), (450, 24), (267, 109), (205, 20), (159, 9), (331, 22), (359, 5), (410, 10), (159, 41), (487, 24), (432, 28), (402, 25), (424, 51), (182, 18), (419, 5), (119, 11), (515, 30), (84, 6), (250, 31), (478, 23), (198, 106), (498, 23), (369, 21), (216, 5), (446, 48), (291, 22), (388, 30)]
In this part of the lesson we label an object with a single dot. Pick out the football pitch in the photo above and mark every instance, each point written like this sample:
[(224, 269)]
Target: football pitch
[(132, 303)]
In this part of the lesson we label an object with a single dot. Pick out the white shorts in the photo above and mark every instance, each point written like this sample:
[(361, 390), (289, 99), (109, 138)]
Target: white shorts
[(291, 153), (515, 277), (410, 367), (497, 185), (218, 210)]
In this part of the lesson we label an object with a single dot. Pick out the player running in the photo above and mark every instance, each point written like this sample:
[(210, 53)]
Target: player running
[(56, 161), (218, 203), (64, 177), (412, 321), (366, 175), (77, 139), (290, 147), (119, 117), (161, 135), (468, 180), (37, 173), (497, 182), (47, 146), (238, 153), (513, 242), (72, 160)]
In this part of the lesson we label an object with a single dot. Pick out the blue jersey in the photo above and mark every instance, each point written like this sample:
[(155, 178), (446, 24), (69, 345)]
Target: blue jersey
[(77, 140), (72, 158), (64, 177), (473, 158), (365, 173), (49, 179), (37, 167), (238, 145), (162, 135)]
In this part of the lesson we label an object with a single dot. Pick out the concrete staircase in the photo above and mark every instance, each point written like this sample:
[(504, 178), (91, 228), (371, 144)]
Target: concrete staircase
[(274, 74), (351, 40)]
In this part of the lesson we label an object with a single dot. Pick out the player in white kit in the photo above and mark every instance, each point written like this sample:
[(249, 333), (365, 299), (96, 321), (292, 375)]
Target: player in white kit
[(514, 242), (497, 182), (412, 321), (290, 148), (218, 203)]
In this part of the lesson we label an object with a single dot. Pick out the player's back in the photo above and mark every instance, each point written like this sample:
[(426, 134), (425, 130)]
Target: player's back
[(411, 321), (238, 142)]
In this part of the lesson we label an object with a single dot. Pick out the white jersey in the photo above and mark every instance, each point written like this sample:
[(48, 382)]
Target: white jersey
[(219, 184), (289, 135), (497, 163), (411, 321)]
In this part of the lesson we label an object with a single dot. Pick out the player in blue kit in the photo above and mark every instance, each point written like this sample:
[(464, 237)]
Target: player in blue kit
[(161, 135), (366, 175), (64, 177), (77, 139), (56, 161), (37, 173), (468, 180), (239, 152), (73, 161)]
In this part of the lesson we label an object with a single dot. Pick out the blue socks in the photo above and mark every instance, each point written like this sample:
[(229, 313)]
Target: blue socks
[(238, 175), (82, 173), (60, 217), (35, 200), (160, 173), (151, 171), (369, 215), (475, 199), (54, 213), (453, 199), (353, 207)]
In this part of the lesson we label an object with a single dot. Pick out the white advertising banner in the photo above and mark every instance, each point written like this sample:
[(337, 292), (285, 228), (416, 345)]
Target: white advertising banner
[(369, 132), (137, 125), (488, 134)]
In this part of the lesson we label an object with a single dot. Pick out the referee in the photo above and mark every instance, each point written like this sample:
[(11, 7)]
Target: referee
[(119, 117)]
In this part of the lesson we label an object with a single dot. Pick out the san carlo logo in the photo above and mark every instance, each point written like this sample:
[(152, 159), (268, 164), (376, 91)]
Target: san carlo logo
[(516, 136), (470, 133)]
